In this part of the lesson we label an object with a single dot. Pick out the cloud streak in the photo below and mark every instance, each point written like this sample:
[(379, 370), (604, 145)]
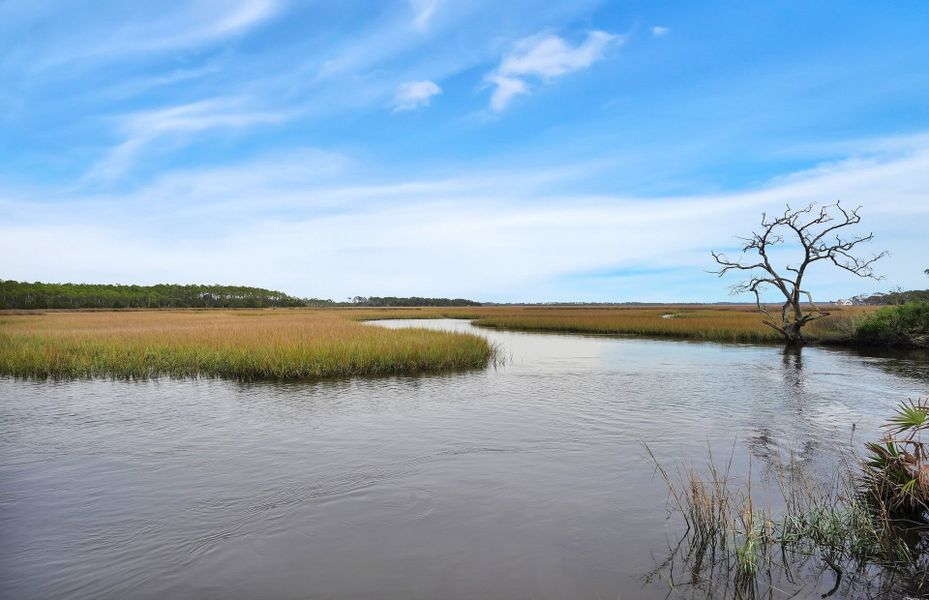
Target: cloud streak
[(423, 12), (149, 29), (143, 129)]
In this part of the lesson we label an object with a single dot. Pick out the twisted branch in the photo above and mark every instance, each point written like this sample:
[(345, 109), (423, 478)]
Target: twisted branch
[(817, 233)]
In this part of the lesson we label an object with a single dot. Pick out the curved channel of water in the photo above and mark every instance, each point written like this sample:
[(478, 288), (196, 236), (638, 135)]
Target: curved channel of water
[(525, 480)]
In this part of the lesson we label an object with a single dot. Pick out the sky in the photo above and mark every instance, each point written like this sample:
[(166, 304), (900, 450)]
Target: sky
[(557, 150)]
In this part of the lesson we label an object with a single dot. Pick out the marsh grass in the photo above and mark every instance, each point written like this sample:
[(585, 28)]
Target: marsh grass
[(271, 344), (823, 535), (726, 324), (315, 343)]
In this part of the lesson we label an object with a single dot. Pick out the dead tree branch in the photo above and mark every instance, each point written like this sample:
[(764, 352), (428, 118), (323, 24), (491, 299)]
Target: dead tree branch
[(816, 234)]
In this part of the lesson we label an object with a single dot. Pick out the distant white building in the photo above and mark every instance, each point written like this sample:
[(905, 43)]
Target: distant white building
[(844, 302)]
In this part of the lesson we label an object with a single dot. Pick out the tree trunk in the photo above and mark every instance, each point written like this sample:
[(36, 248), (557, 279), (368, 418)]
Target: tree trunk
[(792, 334), (792, 327)]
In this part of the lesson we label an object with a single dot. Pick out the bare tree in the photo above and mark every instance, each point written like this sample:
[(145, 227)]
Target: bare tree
[(819, 237)]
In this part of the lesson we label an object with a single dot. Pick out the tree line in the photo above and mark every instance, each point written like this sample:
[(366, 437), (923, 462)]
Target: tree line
[(381, 301), (895, 297), (26, 295)]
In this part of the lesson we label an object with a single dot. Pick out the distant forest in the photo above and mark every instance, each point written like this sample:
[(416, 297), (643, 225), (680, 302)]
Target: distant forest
[(411, 301), (15, 294), (24, 295), (897, 297)]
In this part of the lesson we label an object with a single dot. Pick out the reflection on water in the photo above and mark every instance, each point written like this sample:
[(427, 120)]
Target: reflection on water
[(525, 480), (910, 363), (764, 443), (793, 369)]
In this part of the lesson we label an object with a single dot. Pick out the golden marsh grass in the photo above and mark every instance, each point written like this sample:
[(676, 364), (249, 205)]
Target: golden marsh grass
[(254, 344), (724, 323), (316, 343)]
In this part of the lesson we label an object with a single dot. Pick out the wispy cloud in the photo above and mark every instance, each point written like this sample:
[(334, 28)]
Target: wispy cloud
[(242, 17), (145, 28), (219, 20), (659, 31), (423, 11), (142, 129), (139, 85), (415, 94), (544, 57)]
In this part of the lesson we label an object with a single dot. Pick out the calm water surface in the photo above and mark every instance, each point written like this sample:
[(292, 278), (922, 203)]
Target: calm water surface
[(527, 480)]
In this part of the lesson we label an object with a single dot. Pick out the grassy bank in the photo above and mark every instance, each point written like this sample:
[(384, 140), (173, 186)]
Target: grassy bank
[(727, 324), (260, 344)]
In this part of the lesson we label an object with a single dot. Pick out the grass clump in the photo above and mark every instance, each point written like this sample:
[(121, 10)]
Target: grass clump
[(282, 344)]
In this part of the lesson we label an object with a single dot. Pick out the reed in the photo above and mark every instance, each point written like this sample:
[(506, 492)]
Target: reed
[(259, 344)]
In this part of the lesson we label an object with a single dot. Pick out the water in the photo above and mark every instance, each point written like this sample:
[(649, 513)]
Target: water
[(527, 480)]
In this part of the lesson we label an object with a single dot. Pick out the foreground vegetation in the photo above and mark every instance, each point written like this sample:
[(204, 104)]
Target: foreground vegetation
[(284, 344), (867, 527)]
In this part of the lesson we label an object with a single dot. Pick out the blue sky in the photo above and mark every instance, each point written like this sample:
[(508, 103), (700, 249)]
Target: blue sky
[(509, 151)]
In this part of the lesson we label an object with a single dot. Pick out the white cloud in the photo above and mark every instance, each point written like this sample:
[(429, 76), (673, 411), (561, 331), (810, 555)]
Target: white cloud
[(507, 89), (415, 94), (549, 56), (659, 31), (319, 232), (544, 57)]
